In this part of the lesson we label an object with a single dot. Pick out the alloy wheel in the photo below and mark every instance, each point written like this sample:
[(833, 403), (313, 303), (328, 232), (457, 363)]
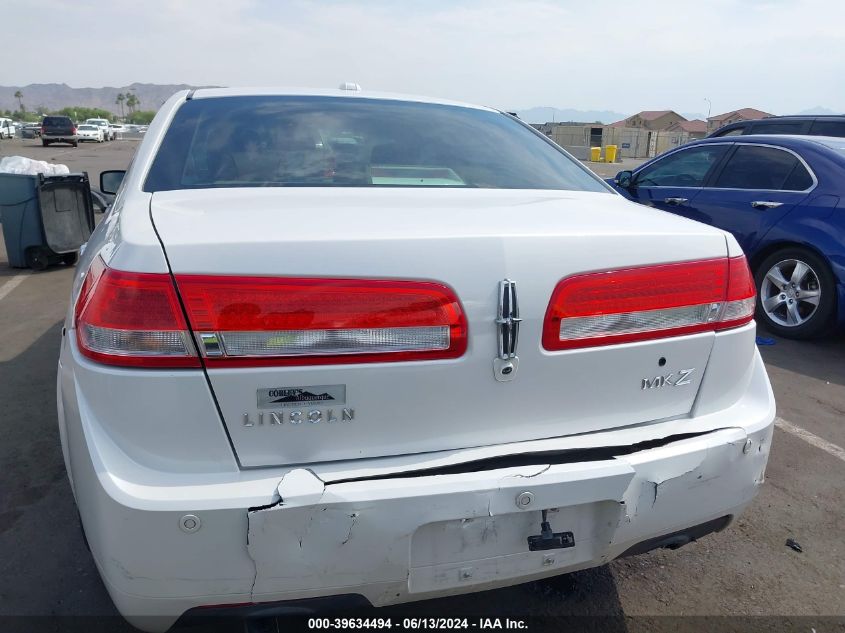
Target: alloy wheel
[(790, 293)]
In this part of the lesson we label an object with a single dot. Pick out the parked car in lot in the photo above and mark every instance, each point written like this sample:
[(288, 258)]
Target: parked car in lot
[(827, 125), (58, 129), (116, 129), (783, 199), (86, 132), (104, 125), (410, 348), (31, 130), (7, 128)]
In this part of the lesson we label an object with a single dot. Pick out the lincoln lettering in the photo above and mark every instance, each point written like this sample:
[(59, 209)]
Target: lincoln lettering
[(298, 416)]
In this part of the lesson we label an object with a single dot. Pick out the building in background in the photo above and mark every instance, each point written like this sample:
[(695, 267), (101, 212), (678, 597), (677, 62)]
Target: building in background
[(631, 142), (651, 120), (744, 114), (695, 128)]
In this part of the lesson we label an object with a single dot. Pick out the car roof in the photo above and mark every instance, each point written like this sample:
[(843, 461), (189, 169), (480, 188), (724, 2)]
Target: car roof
[(787, 140), (790, 141), (209, 93)]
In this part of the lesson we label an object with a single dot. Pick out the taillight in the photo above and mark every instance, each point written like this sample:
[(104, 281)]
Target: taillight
[(636, 304), (741, 295), (73, 130), (132, 320), (259, 321)]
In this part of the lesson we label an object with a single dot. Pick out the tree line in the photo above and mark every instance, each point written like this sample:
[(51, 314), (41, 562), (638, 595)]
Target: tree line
[(127, 102)]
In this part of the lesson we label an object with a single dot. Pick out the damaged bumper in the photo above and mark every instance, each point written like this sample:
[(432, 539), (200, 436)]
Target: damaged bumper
[(443, 534), (394, 534)]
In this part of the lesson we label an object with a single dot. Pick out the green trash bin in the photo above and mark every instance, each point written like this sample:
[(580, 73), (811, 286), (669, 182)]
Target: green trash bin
[(45, 218)]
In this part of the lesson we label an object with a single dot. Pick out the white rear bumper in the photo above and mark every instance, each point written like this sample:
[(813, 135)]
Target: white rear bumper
[(399, 538)]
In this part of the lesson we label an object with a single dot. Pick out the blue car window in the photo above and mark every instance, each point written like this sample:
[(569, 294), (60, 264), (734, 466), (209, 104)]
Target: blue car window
[(828, 128), (777, 127), (686, 168), (767, 168)]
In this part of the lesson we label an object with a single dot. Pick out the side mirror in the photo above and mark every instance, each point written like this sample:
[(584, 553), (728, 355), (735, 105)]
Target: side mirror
[(624, 179), (110, 180)]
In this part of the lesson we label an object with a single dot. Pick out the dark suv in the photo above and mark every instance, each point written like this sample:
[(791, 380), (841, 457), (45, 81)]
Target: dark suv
[(58, 129), (829, 125)]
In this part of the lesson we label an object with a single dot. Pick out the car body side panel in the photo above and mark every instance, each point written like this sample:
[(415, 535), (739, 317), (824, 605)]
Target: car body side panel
[(732, 209), (659, 198)]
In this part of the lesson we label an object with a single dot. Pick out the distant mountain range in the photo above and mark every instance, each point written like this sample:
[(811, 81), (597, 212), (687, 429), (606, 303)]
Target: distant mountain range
[(818, 110), (548, 114), (57, 96)]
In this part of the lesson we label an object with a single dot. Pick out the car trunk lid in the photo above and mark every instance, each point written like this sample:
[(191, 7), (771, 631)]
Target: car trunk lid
[(469, 241)]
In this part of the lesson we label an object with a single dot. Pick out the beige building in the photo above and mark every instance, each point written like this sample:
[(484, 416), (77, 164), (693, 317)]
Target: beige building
[(744, 114), (630, 142), (694, 129), (651, 120)]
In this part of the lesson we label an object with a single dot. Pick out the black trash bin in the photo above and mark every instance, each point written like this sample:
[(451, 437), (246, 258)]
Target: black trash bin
[(45, 218)]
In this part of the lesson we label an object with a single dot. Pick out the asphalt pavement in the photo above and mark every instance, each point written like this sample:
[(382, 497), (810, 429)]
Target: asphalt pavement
[(742, 579)]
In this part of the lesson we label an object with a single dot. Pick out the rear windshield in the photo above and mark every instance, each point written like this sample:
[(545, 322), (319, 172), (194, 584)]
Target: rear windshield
[(56, 120), (352, 142)]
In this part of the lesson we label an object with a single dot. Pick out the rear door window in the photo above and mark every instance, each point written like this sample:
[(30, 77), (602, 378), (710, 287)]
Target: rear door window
[(828, 128), (764, 168), (686, 168), (779, 127), (734, 131)]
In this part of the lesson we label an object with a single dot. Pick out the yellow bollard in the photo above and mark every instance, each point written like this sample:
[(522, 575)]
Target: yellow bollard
[(610, 153), (595, 154)]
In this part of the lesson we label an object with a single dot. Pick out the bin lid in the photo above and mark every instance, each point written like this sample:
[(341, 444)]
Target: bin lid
[(67, 212)]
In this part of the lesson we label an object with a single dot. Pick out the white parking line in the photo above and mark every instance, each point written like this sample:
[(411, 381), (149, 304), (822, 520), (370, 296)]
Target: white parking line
[(810, 438), (10, 285)]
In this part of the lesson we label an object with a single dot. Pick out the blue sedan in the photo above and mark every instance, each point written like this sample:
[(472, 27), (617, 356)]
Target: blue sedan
[(783, 198)]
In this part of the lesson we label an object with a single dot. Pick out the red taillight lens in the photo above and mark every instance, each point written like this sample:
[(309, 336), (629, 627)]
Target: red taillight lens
[(73, 130), (132, 320), (622, 306), (741, 295), (254, 321)]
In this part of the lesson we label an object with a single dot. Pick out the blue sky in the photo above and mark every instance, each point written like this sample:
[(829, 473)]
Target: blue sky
[(778, 55)]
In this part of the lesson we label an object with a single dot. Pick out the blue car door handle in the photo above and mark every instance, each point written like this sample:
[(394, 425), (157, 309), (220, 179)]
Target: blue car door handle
[(765, 204), (675, 201)]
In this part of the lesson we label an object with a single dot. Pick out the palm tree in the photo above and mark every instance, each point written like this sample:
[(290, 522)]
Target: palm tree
[(19, 97), (130, 102), (119, 101)]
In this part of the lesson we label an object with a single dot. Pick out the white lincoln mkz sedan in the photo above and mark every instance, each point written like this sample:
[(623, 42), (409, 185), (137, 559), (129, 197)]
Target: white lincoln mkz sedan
[(339, 345)]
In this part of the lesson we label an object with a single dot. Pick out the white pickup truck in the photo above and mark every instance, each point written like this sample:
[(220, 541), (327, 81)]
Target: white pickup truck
[(392, 348)]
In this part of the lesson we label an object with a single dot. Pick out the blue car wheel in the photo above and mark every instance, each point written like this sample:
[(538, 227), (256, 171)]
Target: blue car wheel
[(796, 294)]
